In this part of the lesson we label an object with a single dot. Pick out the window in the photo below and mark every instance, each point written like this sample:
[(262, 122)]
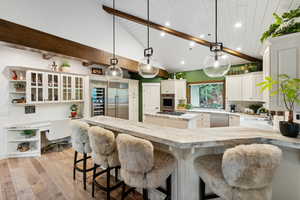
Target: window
[(208, 95)]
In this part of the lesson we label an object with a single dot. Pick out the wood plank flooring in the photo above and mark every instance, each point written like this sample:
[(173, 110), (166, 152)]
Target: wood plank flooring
[(49, 177)]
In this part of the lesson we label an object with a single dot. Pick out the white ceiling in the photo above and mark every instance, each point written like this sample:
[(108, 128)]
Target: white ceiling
[(196, 17)]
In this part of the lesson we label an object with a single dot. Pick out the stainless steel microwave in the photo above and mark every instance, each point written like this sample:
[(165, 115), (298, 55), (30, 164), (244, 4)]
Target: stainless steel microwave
[(167, 102)]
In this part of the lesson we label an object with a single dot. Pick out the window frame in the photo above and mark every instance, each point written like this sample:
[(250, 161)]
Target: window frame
[(189, 84)]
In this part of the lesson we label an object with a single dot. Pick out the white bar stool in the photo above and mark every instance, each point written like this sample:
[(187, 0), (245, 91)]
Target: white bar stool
[(242, 173)]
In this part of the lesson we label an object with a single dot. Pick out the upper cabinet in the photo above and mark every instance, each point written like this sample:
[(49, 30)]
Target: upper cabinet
[(244, 87), (51, 87), (177, 87), (133, 95), (281, 55)]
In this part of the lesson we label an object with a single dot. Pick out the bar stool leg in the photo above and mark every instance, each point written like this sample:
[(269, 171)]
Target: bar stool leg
[(116, 174), (94, 178), (145, 194), (74, 166), (108, 183), (84, 170), (169, 188), (201, 189)]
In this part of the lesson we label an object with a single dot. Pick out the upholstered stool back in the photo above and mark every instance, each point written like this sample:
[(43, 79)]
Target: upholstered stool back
[(251, 166), (80, 138), (135, 154), (103, 144)]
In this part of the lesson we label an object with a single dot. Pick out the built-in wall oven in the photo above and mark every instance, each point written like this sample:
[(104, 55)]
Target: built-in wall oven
[(167, 102)]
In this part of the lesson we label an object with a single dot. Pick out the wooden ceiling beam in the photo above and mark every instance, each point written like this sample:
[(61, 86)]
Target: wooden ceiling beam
[(47, 44), (176, 33)]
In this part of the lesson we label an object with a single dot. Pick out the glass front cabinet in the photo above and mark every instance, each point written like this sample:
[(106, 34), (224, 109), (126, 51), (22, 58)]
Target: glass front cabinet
[(46, 87)]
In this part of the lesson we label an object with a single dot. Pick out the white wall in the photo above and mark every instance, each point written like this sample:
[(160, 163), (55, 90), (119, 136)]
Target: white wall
[(83, 21), (15, 114)]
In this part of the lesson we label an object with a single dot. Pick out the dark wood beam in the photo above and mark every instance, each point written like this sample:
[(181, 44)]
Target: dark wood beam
[(44, 43), (176, 33)]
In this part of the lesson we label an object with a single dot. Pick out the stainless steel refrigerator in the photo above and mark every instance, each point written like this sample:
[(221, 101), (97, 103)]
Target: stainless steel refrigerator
[(117, 100)]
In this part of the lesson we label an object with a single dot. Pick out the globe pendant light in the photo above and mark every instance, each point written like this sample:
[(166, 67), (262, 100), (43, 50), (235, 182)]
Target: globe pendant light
[(217, 64), (114, 71), (146, 69)]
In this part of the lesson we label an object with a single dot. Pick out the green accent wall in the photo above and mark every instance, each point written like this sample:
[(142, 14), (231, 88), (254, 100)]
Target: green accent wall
[(142, 80)]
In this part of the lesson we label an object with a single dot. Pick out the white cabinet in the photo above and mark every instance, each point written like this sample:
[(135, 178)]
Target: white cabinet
[(234, 88), (244, 87), (48, 87), (35, 87), (133, 100), (168, 86), (281, 55), (52, 87)]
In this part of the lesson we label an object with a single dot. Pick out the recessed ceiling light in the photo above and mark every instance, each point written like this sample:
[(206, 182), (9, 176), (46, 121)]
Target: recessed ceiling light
[(239, 48), (192, 43), (162, 34), (182, 62), (202, 36), (167, 24), (238, 25)]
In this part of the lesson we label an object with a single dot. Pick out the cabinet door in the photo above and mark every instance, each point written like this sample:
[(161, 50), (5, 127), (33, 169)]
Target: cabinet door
[(66, 88), (168, 87), (78, 88), (234, 88), (52, 87), (133, 100), (257, 95), (247, 87), (180, 89), (35, 87)]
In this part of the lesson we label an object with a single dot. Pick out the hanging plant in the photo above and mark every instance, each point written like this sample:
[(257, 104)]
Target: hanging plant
[(288, 23)]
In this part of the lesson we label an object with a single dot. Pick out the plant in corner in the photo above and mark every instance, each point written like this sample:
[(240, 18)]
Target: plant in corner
[(65, 66), (289, 88), (288, 23)]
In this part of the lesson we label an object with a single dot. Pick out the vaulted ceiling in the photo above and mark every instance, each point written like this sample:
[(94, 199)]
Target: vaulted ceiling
[(196, 17)]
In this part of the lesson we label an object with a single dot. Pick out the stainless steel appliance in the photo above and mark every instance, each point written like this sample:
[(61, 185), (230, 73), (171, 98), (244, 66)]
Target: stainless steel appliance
[(167, 103), (117, 100), (98, 101)]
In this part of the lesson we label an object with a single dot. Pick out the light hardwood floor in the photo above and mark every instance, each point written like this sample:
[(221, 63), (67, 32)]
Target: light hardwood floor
[(49, 177)]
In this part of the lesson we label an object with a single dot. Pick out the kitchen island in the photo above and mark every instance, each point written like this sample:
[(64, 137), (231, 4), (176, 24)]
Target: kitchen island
[(187, 144), (194, 118)]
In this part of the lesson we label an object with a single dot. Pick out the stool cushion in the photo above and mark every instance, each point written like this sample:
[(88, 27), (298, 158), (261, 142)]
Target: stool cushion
[(251, 166), (104, 147), (209, 169), (135, 154), (164, 165), (80, 138)]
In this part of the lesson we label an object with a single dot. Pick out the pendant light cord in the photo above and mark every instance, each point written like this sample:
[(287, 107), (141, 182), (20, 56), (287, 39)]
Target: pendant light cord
[(216, 20), (148, 25), (114, 32)]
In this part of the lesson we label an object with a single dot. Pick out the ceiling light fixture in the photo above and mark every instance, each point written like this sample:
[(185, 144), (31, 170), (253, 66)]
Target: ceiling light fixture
[(192, 43), (167, 24), (182, 62), (146, 69), (238, 25), (238, 48), (216, 64), (162, 34), (202, 36), (114, 71)]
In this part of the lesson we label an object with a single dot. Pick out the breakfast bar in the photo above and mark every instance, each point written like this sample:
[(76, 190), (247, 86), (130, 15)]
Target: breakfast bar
[(188, 144)]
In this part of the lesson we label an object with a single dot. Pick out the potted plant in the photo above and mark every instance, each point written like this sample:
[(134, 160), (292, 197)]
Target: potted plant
[(289, 88), (74, 109), (288, 23), (65, 67)]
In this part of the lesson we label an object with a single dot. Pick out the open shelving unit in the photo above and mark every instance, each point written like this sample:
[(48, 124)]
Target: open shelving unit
[(17, 85), (15, 137)]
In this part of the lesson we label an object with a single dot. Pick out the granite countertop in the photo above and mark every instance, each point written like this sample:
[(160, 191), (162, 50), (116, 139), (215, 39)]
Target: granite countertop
[(194, 138), (186, 116), (213, 111)]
